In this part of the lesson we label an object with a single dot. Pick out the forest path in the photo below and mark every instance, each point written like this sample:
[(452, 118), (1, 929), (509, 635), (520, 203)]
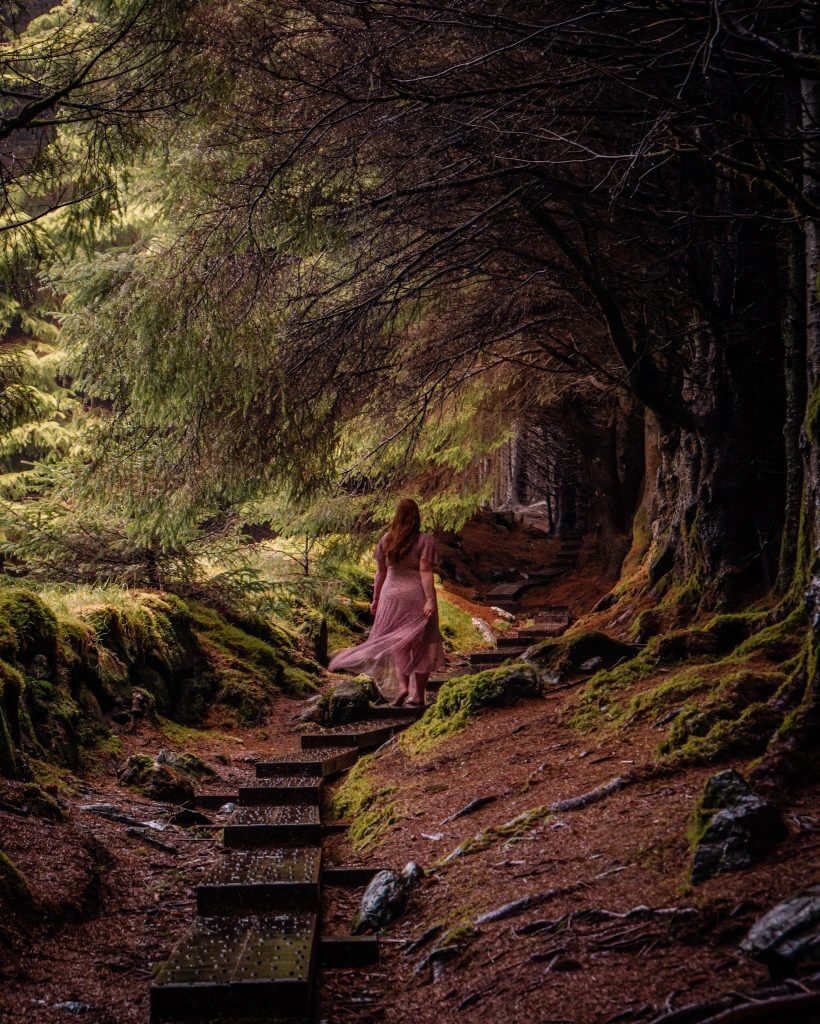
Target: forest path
[(257, 939)]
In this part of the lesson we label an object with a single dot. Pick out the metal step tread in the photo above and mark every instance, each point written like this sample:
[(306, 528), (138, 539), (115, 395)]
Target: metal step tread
[(327, 761), (239, 964), (275, 814), (249, 881), (357, 734), (282, 789)]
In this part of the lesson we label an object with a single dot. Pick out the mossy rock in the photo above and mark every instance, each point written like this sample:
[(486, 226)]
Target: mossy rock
[(557, 658), (32, 623), (158, 781), (462, 697), (345, 701), (186, 764)]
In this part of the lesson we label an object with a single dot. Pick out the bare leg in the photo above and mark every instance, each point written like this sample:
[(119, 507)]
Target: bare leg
[(404, 689), (418, 686)]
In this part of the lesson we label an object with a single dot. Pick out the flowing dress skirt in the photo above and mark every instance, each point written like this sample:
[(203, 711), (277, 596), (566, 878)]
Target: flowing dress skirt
[(401, 640)]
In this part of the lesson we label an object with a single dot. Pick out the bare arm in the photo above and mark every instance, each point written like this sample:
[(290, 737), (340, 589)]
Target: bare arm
[(378, 583), (426, 573)]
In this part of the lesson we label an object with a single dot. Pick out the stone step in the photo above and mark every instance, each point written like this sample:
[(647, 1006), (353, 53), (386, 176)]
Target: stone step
[(361, 735), (235, 966), (273, 825), (319, 763), (284, 789), (254, 882)]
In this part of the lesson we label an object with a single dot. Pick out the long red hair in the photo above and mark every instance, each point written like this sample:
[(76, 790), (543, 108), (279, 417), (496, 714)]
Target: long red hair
[(403, 531)]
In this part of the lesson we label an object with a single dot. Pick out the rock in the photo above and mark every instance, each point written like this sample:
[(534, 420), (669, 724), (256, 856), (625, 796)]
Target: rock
[(735, 827), (382, 902), (72, 1006), (345, 701), (412, 874), (484, 629), (503, 614), (143, 704), (558, 658), (787, 935), (591, 665), (186, 764), (187, 818), (227, 808), (156, 780)]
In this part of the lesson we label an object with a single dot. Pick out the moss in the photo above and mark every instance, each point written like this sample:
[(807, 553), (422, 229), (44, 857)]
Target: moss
[(258, 657), (17, 903), (596, 703), (776, 642), (33, 623), (461, 697), (457, 627), (507, 830), (736, 719), (369, 809)]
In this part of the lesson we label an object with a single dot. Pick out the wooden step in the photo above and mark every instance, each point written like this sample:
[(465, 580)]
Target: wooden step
[(515, 642), (239, 966), (361, 735), (320, 763), (284, 789), (213, 801), (348, 878), (273, 825), (255, 882), (348, 950), (401, 714), (497, 657)]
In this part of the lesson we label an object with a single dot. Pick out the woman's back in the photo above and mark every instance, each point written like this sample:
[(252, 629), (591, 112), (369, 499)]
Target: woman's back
[(424, 547)]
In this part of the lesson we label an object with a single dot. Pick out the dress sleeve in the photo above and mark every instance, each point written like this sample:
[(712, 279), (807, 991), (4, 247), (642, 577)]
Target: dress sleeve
[(428, 552), (381, 561)]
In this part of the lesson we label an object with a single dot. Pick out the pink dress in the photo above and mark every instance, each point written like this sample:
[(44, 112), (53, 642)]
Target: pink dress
[(402, 639)]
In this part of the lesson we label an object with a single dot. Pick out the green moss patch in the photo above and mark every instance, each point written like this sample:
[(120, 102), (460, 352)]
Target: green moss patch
[(369, 808), (457, 627), (462, 697)]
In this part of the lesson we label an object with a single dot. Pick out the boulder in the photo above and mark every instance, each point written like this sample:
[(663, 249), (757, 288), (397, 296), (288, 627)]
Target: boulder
[(733, 827), (557, 658), (156, 780), (348, 700), (382, 902), (787, 935), (186, 764)]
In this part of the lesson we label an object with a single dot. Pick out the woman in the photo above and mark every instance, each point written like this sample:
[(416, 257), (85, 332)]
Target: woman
[(405, 642)]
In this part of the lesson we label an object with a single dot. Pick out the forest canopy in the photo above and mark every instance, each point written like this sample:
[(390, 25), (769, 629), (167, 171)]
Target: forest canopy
[(324, 251)]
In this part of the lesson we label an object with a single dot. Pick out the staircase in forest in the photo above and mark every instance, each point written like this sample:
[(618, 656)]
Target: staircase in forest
[(506, 595), (255, 946)]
